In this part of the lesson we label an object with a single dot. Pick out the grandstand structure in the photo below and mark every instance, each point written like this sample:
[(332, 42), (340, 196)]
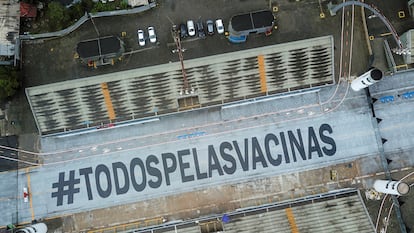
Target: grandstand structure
[(151, 91), (340, 211)]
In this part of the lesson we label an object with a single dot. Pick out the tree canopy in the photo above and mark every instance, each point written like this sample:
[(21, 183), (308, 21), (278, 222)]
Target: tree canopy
[(57, 15), (9, 81)]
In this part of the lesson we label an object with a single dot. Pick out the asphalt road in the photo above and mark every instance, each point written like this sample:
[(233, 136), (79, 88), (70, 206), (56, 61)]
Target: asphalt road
[(9, 141)]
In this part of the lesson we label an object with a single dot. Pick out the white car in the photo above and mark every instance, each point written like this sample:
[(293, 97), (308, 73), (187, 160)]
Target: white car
[(141, 37), (191, 28), (219, 26), (151, 35)]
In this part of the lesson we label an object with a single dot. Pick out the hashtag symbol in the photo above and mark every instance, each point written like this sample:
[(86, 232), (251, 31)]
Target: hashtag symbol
[(65, 187)]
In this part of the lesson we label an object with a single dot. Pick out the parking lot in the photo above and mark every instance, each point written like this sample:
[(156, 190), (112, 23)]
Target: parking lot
[(48, 61)]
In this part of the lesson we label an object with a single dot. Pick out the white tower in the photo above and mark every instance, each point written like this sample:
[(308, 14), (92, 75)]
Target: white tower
[(35, 228), (370, 77), (391, 187)]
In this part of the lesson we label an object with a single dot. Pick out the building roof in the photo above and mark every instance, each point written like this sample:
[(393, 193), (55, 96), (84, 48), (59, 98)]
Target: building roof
[(324, 215), (9, 26), (98, 47), (252, 21), (135, 3), (341, 212), (154, 90), (27, 10)]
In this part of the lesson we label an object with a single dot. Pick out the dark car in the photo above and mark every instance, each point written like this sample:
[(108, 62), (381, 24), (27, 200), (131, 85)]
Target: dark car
[(200, 29), (183, 31), (210, 27)]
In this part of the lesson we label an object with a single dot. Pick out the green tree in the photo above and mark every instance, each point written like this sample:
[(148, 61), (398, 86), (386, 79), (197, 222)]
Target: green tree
[(57, 16), (9, 81), (87, 5), (76, 12)]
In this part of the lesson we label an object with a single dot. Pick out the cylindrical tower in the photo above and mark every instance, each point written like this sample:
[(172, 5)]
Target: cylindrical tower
[(34, 228), (370, 77), (391, 187)]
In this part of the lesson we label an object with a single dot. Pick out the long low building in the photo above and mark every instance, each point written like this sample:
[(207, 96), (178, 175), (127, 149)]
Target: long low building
[(341, 211), (152, 91)]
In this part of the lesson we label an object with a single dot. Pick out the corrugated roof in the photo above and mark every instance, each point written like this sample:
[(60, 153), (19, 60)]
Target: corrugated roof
[(28, 10), (344, 214)]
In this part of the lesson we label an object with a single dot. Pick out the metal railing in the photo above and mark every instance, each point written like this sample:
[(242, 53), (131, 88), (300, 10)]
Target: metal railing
[(85, 18), (129, 226)]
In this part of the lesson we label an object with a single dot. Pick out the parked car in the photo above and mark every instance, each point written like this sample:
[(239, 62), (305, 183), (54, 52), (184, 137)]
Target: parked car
[(200, 29), (210, 27), (219, 26), (151, 35), (183, 31), (141, 37), (190, 28)]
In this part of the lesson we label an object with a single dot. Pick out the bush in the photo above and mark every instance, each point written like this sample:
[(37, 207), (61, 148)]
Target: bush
[(87, 5), (76, 12), (110, 6), (58, 17)]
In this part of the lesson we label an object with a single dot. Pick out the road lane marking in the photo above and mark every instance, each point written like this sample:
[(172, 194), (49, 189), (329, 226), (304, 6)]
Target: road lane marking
[(262, 73), (30, 193), (108, 101)]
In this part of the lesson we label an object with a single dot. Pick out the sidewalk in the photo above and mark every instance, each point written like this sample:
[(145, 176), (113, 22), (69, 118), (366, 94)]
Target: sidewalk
[(7, 127)]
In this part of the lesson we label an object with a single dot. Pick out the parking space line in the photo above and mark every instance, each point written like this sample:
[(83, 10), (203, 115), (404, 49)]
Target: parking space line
[(386, 34), (108, 101), (291, 219), (262, 73)]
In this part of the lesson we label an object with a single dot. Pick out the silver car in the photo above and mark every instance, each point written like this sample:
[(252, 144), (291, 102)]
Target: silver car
[(210, 27)]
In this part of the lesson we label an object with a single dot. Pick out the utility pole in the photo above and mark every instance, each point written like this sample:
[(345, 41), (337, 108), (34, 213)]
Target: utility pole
[(180, 50)]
